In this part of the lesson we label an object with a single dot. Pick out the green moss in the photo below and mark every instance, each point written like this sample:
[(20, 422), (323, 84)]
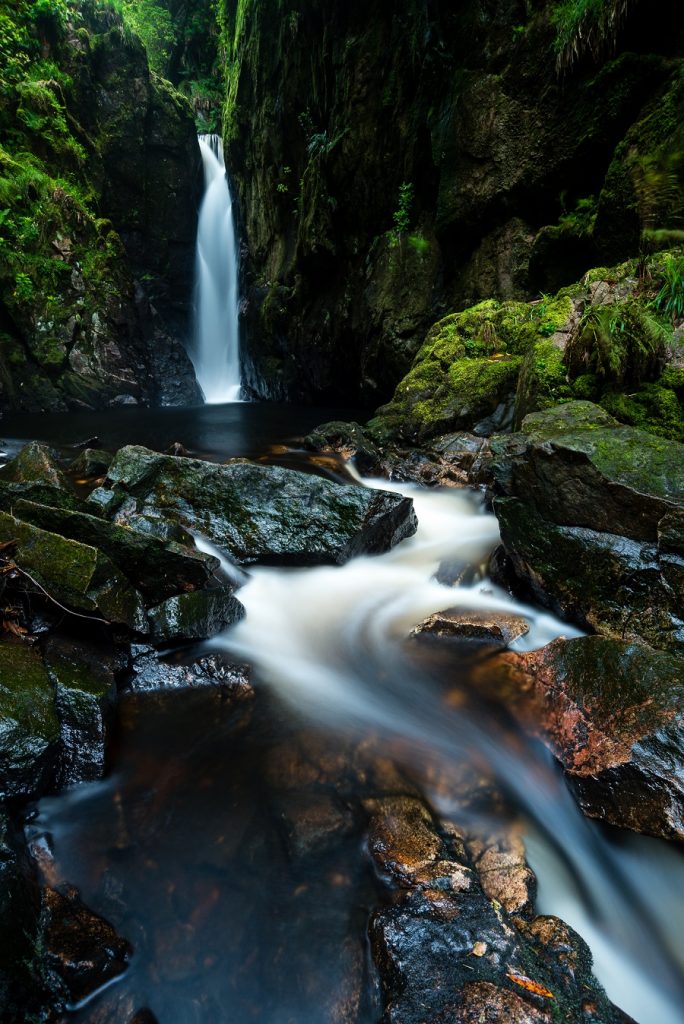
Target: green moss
[(543, 379), (653, 407)]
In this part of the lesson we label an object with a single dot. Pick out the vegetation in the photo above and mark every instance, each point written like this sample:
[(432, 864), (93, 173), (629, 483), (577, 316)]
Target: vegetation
[(587, 27)]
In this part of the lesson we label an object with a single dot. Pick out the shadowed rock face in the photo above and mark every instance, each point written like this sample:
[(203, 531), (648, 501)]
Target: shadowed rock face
[(612, 713), (592, 521), (255, 513)]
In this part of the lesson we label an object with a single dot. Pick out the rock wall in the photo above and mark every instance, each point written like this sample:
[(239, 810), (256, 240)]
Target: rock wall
[(517, 178), (100, 180)]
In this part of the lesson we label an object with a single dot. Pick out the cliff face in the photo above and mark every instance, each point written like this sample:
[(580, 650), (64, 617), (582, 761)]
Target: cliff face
[(100, 179), (393, 164)]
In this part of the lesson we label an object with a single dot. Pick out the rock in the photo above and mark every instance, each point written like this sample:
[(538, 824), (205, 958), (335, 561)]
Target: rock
[(90, 463), (29, 727), (445, 947), (34, 474), (350, 441), (158, 568), (82, 952), (256, 513), (496, 628), (35, 463), (151, 674), (466, 372), (85, 691), (613, 714), (77, 575), (195, 616), (589, 521), (19, 910)]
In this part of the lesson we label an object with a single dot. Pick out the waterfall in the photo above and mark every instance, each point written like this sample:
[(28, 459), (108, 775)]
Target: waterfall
[(215, 351)]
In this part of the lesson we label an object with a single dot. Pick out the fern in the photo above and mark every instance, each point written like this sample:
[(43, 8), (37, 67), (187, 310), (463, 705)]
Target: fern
[(622, 343), (587, 27), (670, 298)]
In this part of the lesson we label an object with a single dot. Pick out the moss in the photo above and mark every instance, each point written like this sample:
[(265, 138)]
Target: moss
[(543, 379), (467, 366), (653, 407)]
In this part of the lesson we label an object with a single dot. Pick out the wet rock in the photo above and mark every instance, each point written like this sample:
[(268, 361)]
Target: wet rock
[(589, 521), (447, 950), (74, 574), (159, 568), (82, 951), (613, 714), (350, 441), (313, 822), (35, 463), (195, 616), (29, 727), (35, 474), (19, 911), (85, 691), (92, 462), (151, 673), (495, 628), (256, 513)]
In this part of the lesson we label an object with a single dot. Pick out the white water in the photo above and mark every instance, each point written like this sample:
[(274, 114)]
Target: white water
[(215, 351), (329, 642)]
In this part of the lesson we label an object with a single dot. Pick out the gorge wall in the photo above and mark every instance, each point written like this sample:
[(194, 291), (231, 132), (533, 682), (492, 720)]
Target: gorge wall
[(100, 180), (396, 163)]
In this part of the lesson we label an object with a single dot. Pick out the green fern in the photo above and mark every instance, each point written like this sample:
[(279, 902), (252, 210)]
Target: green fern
[(623, 343), (670, 298)]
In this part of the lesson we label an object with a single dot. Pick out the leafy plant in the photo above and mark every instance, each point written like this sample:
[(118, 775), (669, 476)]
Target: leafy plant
[(586, 27), (670, 298), (402, 215), (623, 343)]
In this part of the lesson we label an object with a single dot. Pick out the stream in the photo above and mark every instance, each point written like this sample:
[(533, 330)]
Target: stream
[(193, 846)]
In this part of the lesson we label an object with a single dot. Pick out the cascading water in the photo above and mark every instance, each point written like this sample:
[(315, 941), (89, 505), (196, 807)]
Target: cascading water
[(215, 351), (334, 652)]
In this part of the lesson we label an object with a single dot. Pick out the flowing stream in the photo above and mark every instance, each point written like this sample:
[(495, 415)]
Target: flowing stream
[(215, 350), (182, 846)]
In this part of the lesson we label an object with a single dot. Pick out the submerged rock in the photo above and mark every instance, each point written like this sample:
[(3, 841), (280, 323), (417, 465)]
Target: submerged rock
[(150, 674), (29, 726), (255, 513), (591, 521), (82, 952), (19, 912), (612, 712)]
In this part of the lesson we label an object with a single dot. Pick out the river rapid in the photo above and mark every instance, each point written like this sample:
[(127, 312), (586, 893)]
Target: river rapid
[(181, 847)]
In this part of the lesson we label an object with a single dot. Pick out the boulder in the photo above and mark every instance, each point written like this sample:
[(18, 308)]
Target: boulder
[(85, 691), (612, 712), (29, 726), (447, 948), (92, 462), (76, 575), (157, 567), (255, 513), (151, 674), (35, 474), (591, 519), (196, 615), (495, 628)]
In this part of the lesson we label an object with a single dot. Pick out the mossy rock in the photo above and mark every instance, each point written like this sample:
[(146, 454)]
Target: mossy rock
[(253, 512), (85, 691), (91, 462), (195, 616), (35, 463), (158, 568), (29, 726), (543, 379), (468, 366), (74, 574)]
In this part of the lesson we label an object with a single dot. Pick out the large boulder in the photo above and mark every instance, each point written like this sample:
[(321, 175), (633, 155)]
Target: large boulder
[(255, 513), (591, 518), (612, 712), (448, 948), (35, 474)]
